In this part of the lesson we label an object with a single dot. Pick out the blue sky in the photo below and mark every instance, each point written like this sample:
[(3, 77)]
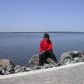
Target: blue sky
[(41, 15)]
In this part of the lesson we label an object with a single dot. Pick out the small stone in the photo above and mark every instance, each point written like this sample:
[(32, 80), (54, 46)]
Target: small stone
[(76, 58), (80, 59), (73, 61), (45, 66), (36, 67), (50, 65), (27, 69), (56, 64), (19, 68)]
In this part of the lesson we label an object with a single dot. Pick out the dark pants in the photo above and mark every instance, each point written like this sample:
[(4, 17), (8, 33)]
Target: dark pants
[(44, 56)]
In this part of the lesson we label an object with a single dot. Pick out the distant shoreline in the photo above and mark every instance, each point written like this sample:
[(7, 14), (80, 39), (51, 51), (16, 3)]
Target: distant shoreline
[(43, 32)]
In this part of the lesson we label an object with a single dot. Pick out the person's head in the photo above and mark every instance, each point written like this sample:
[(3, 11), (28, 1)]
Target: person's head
[(46, 36)]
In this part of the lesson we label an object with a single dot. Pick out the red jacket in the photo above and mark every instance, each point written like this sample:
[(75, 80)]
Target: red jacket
[(45, 46)]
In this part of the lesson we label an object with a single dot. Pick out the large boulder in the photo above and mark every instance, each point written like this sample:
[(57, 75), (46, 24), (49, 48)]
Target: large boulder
[(5, 66), (34, 63), (71, 57)]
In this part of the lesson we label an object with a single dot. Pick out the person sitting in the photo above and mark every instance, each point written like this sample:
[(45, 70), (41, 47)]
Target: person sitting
[(45, 50)]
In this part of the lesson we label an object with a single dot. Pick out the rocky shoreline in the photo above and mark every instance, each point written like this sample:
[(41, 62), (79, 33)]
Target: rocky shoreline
[(7, 67)]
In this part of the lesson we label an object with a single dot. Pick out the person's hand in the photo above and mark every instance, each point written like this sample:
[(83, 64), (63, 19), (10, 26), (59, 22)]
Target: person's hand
[(42, 52)]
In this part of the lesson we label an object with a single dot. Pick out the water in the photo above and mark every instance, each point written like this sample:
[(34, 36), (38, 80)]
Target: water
[(19, 47)]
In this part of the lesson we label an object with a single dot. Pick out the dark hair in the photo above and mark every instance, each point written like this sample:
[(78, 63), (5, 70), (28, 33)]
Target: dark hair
[(46, 35)]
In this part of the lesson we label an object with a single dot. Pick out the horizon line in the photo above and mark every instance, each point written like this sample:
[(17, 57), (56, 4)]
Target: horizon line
[(46, 31)]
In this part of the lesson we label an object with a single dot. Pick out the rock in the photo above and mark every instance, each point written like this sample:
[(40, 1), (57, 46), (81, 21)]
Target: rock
[(64, 56), (73, 62), (5, 66), (67, 60), (34, 60), (19, 68), (36, 67), (76, 59), (50, 65), (27, 69), (45, 66), (34, 63), (49, 60), (71, 57)]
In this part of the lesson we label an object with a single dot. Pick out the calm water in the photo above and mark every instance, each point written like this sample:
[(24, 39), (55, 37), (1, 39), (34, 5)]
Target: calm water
[(19, 47)]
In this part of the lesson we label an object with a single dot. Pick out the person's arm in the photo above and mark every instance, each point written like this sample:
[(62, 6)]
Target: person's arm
[(50, 47), (40, 47)]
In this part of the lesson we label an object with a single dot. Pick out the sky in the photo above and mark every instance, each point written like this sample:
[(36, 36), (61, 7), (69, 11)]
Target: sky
[(41, 15)]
